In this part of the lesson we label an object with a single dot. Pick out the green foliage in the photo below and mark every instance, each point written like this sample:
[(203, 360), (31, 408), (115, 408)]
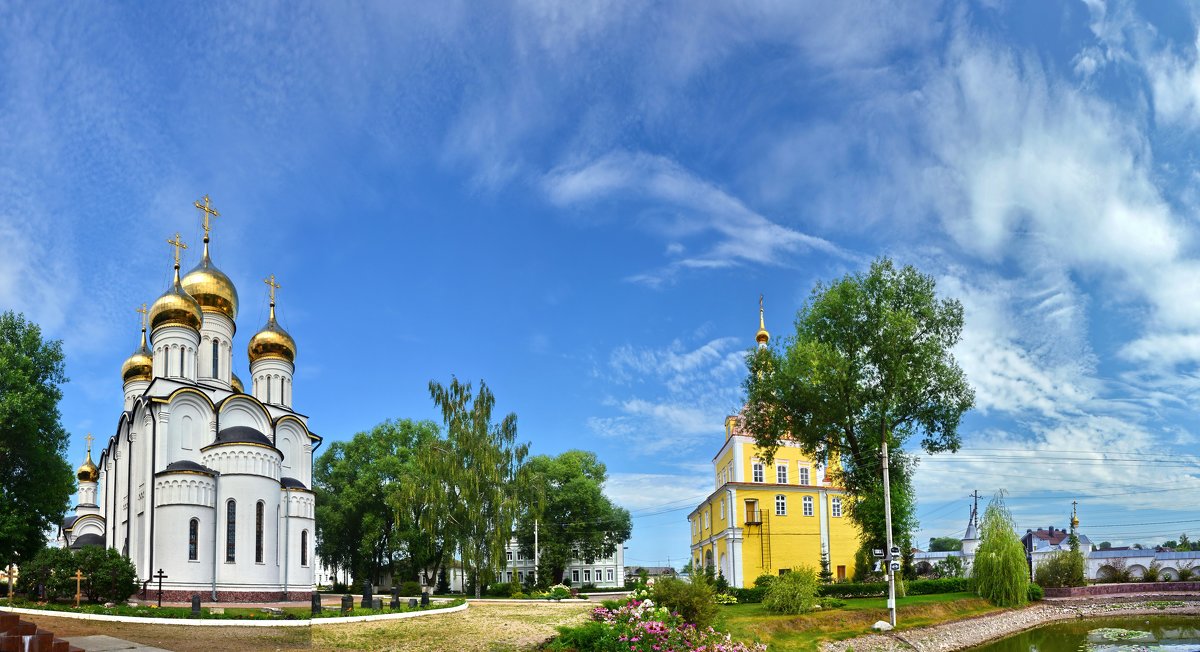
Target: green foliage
[(945, 544), (1000, 573), (1116, 572), (443, 583), (1186, 573), (691, 600), (363, 522), (826, 575), (1152, 573), (50, 569), (410, 588), (36, 480), (1061, 569), (111, 576), (472, 496), (721, 584), (871, 359), (793, 593), (1036, 593), (565, 496), (590, 636), (764, 580), (749, 595), (950, 567), (1104, 545)]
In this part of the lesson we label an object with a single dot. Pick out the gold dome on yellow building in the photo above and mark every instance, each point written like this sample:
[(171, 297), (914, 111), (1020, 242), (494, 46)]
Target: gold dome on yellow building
[(211, 288), (271, 341), (176, 307), (87, 471)]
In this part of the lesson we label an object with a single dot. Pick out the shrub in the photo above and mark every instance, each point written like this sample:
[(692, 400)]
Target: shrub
[(1061, 569), (793, 593), (693, 601), (856, 589), (596, 635), (111, 577), (1185, 573), (1153, 573), (410, 588), (831, 603), (1115, 572), (1000, 574), (50, 569), (721, 584), (441, 588), (559, 592), (950, 567), (751, 595), (725, 598), (763, 581), (1036, 593)]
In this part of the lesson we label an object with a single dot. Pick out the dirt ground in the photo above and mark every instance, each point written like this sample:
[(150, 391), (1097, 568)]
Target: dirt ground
[(482, 627)]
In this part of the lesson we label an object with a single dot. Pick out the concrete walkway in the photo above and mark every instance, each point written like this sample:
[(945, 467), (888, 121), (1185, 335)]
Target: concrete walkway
[(101, 643)]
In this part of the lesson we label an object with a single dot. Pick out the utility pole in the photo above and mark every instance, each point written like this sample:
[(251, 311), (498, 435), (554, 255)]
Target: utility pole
[(887, 510), (535, 552)]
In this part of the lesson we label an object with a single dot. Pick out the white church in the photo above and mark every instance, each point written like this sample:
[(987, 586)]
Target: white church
[(202, 480)]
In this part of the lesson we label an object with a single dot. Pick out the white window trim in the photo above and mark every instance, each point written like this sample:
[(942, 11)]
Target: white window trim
[(780, 502), (807, 506), (781, 473), (836, 507), (757, 472)]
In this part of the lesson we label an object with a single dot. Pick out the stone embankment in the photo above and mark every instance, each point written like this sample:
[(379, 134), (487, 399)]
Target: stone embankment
[(970, 632)]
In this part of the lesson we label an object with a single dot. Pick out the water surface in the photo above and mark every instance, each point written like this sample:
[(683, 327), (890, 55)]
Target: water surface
[(1122, 634)]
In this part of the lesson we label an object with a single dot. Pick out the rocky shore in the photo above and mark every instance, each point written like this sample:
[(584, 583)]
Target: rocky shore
[(962, 634)]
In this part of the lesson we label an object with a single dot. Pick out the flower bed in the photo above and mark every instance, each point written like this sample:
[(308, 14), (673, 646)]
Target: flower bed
[(639, 626)]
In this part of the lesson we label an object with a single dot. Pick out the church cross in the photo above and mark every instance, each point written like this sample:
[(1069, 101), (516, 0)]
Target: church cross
[(143, 312), (178, 244), (89, 442), (274, 286), (209, 211), (79, 578)]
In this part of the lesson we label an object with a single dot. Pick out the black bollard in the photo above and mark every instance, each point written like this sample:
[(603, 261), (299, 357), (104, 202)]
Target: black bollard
[(366, 599), (316, 603), (412, 603), (395, 597), (424, 598), (347, 603), (195, 605)]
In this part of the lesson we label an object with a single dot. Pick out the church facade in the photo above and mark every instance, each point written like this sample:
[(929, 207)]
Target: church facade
[(202, 479)]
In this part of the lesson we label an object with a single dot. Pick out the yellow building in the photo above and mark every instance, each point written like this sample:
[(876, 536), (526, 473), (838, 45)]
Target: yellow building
[(767, 519)]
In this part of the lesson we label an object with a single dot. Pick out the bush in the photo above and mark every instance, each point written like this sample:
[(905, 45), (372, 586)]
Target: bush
[(746, 596), (763, 581), (50, 569), (111, 577), (1186, 573), (1000, 573), (693, 601), (857, 589), (410, 588), (1153, 573), (595, 635), (442, 587), (725, 598), (1115, 572), (1061, 569), (1036, 593), (793, 593)]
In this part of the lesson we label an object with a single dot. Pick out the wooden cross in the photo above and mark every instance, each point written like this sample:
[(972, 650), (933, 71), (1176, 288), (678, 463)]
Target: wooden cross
[(209, 211), (160, 576), (274, 286), (178, 244), (79, 578), (143, 312)]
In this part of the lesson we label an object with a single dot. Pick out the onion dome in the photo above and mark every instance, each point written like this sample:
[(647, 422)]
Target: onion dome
[(176, 307), (271, 341), (140, 365), (211, 288), (762, 336), (237, 383), (87, 471)]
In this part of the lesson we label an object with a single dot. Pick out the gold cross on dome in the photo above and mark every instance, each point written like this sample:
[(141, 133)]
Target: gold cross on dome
[(274, 286), (208, 210), (142, 311), (178, 244), (89, 441)]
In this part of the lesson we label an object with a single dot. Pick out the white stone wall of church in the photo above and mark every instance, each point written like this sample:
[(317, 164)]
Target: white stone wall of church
[(245, 570), (219, 327), (171, 532), (168, 342), (244, 459), (300, 575), (278, 374), (241, 411), (187, 430)]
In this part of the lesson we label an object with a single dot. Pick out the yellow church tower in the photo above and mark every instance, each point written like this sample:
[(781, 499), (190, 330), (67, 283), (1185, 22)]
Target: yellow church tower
[(769, 519)]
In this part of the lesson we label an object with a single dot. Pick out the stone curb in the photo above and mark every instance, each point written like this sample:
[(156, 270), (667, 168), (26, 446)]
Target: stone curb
[(231, 622)]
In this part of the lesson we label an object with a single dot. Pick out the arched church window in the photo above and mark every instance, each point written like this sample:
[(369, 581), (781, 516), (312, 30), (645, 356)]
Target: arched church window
[(304, 548), (268, 389), (181, 361), (258, 532), (231, 531), (194, 539), (216, 366)]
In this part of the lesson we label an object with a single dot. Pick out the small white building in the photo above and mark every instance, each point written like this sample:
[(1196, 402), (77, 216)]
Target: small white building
[(608, 572)]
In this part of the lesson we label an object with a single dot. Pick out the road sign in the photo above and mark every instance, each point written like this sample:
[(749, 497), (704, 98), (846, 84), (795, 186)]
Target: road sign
[(878, 552), (895, 551), (895, 565)]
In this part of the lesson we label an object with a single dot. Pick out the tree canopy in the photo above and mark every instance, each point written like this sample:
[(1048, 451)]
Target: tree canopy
[(564, 494), (1000, 573), (35, 479), (944, 544), (870, 359), (362, 526)]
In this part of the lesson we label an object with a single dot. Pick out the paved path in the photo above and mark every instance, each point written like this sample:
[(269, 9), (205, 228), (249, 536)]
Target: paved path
[(101, 643)]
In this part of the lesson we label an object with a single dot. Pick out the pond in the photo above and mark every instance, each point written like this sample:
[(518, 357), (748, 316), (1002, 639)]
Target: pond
[(1124, 634)]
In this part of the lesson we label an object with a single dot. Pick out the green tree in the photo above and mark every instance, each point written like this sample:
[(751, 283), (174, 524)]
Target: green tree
[(793, 593), (826, 575), (870, 360), (944, 544), (1104, 545), (362, 522), (950, 567), (1000, 573), (111, 576), (474, 494), (35, 479), (565, 496)]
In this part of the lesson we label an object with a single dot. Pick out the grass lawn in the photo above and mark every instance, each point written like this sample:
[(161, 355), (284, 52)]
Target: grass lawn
[(753, 623)]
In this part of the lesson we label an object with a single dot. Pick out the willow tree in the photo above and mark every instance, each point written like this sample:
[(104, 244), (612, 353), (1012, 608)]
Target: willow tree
[(472, 494), (999, 573), (871, 360)]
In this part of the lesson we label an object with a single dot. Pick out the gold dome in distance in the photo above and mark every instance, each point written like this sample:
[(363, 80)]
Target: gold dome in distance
[(762, 336), (211, 288), (237, 383), (140, 365), (271, 341), (87, 471), (176, 307)]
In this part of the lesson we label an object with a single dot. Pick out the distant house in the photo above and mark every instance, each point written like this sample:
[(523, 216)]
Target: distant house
[(632, 572)]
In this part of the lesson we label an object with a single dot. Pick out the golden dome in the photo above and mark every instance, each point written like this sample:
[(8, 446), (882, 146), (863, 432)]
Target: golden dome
[(176, 308), (87, 471), (140, 365), (237, 384), (211, 288), (271, 341), (762, 336)]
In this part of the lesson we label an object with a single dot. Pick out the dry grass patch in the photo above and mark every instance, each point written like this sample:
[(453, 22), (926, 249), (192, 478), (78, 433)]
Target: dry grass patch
[(181, 638), (482, 626)]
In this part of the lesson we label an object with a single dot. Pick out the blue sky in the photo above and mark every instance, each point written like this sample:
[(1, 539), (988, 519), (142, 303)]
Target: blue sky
[(581, 202)]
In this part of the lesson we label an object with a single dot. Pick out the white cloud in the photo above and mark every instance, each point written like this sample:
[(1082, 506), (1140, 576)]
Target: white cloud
[(652, 492), (681, 206)]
